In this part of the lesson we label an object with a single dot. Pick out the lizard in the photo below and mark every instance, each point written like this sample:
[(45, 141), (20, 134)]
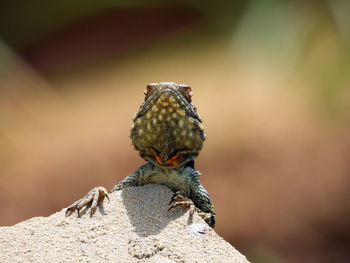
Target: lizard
[(168, 134)]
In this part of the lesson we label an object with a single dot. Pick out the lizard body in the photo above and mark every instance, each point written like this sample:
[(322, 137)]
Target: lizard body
[(168, 134)]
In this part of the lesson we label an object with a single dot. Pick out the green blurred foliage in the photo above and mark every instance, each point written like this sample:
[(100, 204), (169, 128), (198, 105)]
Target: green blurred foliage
[(23, 22)]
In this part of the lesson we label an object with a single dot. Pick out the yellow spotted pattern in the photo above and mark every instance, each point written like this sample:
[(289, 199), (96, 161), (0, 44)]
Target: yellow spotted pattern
[(167, 126)]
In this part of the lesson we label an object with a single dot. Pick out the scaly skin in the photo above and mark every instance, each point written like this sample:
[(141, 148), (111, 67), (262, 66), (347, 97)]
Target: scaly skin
[(167, 132)]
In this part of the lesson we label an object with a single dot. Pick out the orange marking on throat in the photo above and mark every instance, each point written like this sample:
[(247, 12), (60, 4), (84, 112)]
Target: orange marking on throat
[(173, 161), (158, 159)]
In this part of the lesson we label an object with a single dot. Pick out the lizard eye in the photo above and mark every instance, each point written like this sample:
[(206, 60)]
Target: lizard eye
[(186, 91), (149, 89)]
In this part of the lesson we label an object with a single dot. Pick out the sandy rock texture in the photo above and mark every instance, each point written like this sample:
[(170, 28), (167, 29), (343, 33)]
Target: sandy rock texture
[(134, 226)]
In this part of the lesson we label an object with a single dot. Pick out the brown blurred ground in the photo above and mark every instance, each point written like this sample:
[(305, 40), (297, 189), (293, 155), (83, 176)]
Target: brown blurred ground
[(277, 119)]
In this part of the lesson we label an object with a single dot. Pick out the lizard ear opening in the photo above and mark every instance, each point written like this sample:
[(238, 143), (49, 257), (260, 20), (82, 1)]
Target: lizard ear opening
[(186, 91), (149, 89)]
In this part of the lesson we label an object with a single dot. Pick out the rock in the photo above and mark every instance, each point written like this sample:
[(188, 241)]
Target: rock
[(134, 226)]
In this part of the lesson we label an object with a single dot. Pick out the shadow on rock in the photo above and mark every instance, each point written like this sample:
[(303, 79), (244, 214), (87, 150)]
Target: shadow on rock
[(147, 208)]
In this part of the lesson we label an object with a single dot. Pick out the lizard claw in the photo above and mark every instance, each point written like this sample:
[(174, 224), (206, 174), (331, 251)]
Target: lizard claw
[(92, 197), (186, 203), (177, 196), (179, 200)]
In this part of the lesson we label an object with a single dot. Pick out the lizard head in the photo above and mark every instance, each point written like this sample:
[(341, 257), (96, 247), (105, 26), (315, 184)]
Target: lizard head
[(167, 129)]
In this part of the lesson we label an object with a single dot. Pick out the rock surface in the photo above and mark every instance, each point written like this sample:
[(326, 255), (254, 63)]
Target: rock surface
[(134, 226)]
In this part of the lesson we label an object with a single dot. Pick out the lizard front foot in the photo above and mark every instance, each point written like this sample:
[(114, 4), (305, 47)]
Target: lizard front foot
[(92, 197), (180, 200)]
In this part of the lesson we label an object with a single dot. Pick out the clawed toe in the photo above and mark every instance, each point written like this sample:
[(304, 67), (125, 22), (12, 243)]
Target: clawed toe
[(178, 196), (179, 200), (93, 198), (187, 203)]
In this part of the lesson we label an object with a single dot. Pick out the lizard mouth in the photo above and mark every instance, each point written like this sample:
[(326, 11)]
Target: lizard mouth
[(173, 161)]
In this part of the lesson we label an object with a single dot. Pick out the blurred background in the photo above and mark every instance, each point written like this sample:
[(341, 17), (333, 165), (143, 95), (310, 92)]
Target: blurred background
[(271, 81)]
